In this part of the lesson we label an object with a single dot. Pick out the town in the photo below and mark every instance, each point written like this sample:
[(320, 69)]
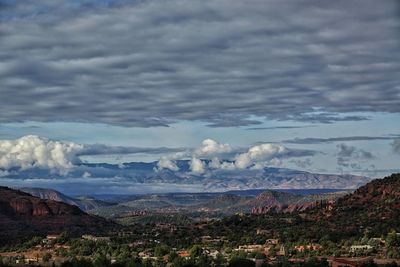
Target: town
[(61, 250)]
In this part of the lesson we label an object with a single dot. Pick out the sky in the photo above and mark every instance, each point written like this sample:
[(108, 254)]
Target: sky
[(306, 85)]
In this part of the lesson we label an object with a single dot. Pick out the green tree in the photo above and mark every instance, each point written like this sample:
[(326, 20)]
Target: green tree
[(392, 239), (196, 251), (240, 262), (100, 260), (47, 257), (161, 250), (260, 256)]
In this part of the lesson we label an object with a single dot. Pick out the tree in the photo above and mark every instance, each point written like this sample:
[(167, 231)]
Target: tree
[(196, 251), (100, 260), (162, 250), (47, 257), (393, 239), (219, 261), (240, 262), (260, 256)]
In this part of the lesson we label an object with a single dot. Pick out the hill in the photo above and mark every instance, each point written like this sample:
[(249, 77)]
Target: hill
[(23, 215), (268, 200), (375, 206), (216, 204), (372, 210), (85, 203)]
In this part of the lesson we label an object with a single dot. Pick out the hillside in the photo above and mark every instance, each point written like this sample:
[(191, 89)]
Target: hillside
[(373, 210), (85, 203), (269, 200), (375, 205), (23, 215), (216, 204)]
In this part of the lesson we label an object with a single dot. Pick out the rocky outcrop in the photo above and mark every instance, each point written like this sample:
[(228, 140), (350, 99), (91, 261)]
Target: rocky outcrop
[(84, 203), (273, 201), (23, 215)]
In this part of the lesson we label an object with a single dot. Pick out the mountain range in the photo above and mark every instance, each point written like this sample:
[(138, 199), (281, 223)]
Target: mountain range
[(223, 180), (139, 178)]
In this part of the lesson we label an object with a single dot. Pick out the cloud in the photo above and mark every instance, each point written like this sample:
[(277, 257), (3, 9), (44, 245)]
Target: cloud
[(32, 151), (99, 149), (396, 146), (197, 166), (325, 117), (264, 154), (35, 152), (259, 153), (278, 128), (223, 156), (311, 140), (166, 163), (211, 147), (152, 63), (352, 157), (302, 163), (169, 161), (351, 151)]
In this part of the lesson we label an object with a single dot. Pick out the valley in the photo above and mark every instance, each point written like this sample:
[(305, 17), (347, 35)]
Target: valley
[(267, 227)]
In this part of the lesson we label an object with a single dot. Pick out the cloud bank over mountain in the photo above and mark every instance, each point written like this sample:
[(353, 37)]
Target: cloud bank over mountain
[(227, 157), (212, 166), (31, 151), (34, 152)]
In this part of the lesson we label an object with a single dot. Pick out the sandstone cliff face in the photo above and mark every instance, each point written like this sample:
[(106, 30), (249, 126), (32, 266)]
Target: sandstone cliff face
[(26, 205), (22, 215), (271, 201)]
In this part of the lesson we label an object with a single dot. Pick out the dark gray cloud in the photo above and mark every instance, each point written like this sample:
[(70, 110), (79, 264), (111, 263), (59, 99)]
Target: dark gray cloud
[(150, 63), (311, 140), (396, 146), (351, 151), (278, 128), (325, 117), (306, 163), (99, 149), (352, 157)]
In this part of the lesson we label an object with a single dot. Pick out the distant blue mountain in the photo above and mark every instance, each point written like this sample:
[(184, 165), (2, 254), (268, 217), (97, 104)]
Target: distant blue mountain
[(145, 175)]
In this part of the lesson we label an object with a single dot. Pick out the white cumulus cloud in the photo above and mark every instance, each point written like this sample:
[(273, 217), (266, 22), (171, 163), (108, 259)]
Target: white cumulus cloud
[(259, 154), (212, 155), (211, 147), (197, 165), (167, 163), (32, 151)]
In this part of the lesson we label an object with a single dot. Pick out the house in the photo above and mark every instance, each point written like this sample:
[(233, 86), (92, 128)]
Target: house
[(312, 247), (183, 254), (262, 232), (96, 238), (145, 254), (50, 238), (251, 248), (212, 253), (356, 248), (272, 242), (282, 251)]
